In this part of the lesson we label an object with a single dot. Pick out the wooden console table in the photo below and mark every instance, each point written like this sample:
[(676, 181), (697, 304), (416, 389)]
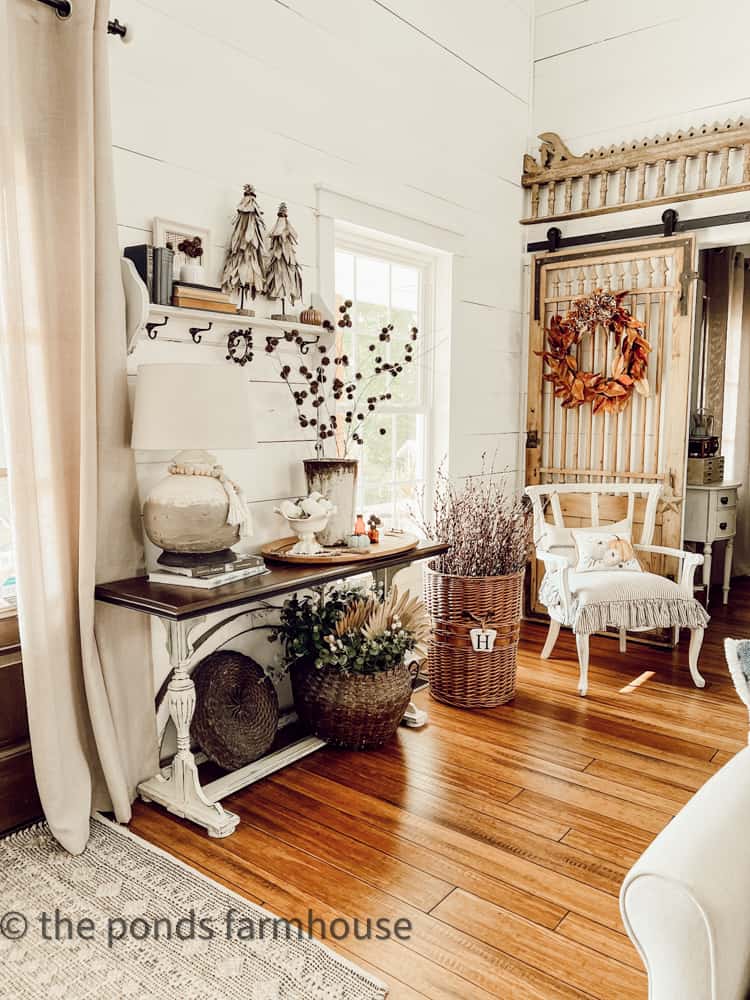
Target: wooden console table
[(182, 610)]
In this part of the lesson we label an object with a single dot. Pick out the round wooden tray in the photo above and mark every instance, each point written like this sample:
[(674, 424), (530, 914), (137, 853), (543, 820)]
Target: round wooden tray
[(387, 546)]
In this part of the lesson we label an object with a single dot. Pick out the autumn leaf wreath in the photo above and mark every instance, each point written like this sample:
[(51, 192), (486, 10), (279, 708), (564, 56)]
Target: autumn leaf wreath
[(573, 387)]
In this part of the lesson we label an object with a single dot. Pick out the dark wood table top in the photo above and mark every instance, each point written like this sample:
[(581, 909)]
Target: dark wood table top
[(178, 603)]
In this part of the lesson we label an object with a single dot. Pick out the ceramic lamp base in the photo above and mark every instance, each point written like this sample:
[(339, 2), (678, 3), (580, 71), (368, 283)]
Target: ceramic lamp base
[(187, 514)]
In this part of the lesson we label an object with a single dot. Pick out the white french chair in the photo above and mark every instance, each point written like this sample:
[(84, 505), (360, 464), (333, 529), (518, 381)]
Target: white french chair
[(587, 603)]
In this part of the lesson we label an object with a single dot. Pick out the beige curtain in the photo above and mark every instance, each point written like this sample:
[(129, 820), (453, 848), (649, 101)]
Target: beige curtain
[(87, 668)]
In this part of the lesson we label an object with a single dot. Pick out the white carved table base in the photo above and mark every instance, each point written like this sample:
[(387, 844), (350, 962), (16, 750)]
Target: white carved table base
[(177, 787)]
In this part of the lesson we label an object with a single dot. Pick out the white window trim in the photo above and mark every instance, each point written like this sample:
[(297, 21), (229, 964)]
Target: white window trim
[(445, 246), (352, 239)]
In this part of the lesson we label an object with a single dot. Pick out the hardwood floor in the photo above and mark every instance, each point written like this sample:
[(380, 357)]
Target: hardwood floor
[(502, 835)]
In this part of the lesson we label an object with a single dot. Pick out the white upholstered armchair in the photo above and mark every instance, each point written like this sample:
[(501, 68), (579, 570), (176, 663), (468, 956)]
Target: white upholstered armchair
[(591, 602)]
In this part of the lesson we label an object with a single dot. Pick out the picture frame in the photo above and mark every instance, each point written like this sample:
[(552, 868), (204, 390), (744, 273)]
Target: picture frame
[(168, 231)]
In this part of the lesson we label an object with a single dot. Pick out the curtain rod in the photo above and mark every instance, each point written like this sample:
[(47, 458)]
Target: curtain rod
[(63, 9)]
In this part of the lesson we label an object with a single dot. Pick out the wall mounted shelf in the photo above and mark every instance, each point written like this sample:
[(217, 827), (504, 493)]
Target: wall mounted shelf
[(157, 312), (175, 323)]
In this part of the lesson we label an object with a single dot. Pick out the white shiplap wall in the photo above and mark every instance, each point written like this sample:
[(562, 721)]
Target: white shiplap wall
[(418, 108), (607, 71)]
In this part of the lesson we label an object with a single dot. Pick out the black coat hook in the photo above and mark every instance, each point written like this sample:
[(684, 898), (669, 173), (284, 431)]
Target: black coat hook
[(151, 330), (304, 345), (196, 331)]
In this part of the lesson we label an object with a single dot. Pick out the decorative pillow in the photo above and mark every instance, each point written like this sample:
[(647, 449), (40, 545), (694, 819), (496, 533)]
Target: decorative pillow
[(560, 542), (605, 549)]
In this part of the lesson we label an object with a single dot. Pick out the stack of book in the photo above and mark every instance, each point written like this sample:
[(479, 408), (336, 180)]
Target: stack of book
[(208, 576), (155, 266), (190, 296)]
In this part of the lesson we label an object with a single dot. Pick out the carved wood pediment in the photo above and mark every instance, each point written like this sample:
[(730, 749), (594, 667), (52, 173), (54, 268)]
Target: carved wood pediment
[(687, 163)]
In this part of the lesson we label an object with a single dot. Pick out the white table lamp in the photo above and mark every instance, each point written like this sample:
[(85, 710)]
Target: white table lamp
[(196, 514)]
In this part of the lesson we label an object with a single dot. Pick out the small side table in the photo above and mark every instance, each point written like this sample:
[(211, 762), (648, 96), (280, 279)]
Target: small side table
[(711, 516)]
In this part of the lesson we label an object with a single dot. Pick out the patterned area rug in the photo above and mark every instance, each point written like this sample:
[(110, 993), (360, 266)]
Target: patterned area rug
[(125, 920)]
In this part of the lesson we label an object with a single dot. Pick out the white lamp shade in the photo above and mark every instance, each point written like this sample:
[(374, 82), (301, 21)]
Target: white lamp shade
[(192, 407)]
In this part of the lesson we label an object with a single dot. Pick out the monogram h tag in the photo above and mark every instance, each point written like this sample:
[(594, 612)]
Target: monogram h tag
[(483, 639)]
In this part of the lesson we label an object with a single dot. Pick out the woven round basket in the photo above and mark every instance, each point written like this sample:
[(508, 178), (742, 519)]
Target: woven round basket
[(459, 674), (237, 710), (354, 711)]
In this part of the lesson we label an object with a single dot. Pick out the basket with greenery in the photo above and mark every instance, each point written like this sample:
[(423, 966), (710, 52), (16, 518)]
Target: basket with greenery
[(473, 592), (346, 650)]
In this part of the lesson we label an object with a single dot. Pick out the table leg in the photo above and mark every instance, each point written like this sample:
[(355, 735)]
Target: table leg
[(728, 554), (178, 786), (706, 577)]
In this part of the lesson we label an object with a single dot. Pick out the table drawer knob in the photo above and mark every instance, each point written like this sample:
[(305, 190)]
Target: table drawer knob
[(723, 525), (725, 500)]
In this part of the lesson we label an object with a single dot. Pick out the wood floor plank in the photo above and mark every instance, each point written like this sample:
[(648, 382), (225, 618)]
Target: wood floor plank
[(579, 966), (475, 730), (621, 733), (460, 787), (585, 820), (683, 717), (601, 847), (635, 779), (549, 742), (508, 839), (382, 871), (533, 907), (502, 834), (503, 764), (593, 936), (552, 886), (618, 801)]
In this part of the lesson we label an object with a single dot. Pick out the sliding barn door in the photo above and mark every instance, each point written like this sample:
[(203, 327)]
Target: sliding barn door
[(647, 441)]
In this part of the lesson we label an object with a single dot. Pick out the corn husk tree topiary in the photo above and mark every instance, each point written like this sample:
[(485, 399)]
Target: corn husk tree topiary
[(283, 273), (244, 268)]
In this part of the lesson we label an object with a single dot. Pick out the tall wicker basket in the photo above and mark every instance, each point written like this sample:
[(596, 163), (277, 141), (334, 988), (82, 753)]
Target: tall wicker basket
[(460, 675)]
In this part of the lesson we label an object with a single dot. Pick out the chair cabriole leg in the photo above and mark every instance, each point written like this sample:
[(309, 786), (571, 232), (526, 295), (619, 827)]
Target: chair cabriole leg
[(582, 645), (696, 641), (552, 634)]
